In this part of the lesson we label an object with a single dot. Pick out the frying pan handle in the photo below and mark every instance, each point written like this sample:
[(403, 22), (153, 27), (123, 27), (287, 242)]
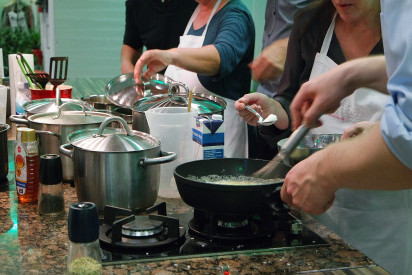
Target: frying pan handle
[(164, 157), (274, 201)]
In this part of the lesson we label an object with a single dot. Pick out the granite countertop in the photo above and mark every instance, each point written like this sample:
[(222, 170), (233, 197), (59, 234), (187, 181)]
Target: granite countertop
[(33, 244)]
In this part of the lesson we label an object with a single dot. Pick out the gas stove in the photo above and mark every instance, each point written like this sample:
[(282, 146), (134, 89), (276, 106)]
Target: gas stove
[(142, 235)]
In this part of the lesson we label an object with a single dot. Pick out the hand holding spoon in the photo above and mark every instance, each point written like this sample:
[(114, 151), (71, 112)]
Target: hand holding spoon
[(264, 122)]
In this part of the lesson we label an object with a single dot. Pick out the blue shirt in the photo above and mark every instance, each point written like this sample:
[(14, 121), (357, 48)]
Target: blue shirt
[(396, 123), (232, 32)]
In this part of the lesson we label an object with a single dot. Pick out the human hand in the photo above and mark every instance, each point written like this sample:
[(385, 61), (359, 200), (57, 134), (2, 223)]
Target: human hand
[(305, 188), (260, 102), (358, 128), (270, 63), (320, 95), (156, 60)]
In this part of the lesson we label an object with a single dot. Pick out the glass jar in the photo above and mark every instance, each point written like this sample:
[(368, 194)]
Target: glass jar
[(84, 250), (51, 199)]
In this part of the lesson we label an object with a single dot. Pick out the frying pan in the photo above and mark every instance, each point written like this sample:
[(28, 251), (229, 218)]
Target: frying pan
[(228, 199)]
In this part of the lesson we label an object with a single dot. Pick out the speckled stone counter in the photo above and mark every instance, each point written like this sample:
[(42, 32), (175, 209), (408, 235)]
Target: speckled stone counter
[(31, 244)]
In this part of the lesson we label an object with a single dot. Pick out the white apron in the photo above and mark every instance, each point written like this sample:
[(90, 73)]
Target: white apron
[(236, 142), (378, 223)]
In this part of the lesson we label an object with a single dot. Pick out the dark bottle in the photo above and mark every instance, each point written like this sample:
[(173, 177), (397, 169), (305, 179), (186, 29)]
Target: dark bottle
[(51, 200), (84, 250)]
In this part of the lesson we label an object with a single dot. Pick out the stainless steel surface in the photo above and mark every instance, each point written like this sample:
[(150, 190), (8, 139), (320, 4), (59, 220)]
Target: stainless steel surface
[(123, 91), (4, 164), (292, 142), (310, 144), (122, 178), (51, 133), (48, 105), (99, 102)]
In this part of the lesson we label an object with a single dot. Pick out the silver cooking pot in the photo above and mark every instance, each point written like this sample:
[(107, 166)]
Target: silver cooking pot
[(47, 105), (53, 128), (116, 167)]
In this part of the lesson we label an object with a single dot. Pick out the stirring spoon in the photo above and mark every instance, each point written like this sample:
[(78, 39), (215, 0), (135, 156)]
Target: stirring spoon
[(264, 122)]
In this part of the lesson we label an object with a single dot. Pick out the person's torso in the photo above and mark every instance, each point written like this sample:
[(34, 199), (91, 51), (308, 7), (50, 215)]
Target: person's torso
[(157, 24)]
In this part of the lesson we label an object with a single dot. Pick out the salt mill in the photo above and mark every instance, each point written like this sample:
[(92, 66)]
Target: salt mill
[(84, 250), (51, 200)]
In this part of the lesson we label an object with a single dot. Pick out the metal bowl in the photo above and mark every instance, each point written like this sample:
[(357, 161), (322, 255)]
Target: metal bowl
[(310, 144)]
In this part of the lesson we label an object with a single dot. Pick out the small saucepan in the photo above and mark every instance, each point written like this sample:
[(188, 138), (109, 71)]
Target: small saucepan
[(228, 198)]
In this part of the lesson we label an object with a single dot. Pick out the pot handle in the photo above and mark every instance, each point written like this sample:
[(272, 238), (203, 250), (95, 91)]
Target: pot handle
[(111, 119), (65, 151), (47, 133), (59, 108), (164, 157), (19, 119), (274, 201)]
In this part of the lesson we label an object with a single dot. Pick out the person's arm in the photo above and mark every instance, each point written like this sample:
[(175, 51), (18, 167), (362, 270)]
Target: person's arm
[(128, 58), (363, 162), (204, 60), (323, 94), (270, 63)]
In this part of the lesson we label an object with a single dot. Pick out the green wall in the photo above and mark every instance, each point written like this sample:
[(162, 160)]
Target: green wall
[(90, 33)]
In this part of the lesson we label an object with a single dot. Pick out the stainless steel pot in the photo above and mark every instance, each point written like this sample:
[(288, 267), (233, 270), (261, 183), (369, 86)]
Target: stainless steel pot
[(53, 128), (47, 105), (99, 102), (4, 161), (116, 167)]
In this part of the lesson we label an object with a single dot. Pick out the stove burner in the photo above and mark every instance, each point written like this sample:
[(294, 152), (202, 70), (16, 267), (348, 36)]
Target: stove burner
[(154, 232), (142, 226), (233, 224), (227, 227)]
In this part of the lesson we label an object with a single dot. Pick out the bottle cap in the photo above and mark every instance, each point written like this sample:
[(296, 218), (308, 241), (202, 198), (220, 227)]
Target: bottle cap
[(50, 169), (26, 134), (83, 222)]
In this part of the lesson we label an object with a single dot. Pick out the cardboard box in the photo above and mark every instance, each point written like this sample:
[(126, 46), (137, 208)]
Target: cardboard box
[(209, 134)]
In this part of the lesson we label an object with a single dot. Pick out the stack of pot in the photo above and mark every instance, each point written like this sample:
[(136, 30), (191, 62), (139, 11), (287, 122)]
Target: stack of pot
[(52, 129)]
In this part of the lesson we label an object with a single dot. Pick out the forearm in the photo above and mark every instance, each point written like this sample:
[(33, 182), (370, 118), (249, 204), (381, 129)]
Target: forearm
[(205, 60), (369, 72), (365, 162), (128, 57)]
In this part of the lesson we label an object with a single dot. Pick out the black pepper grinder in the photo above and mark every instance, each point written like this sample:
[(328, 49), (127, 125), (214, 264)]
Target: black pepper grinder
[(51, 200), (84, 250)]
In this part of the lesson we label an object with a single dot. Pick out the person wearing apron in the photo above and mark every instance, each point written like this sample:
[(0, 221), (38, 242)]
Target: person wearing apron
[(375, 222), (236, 143), (371, 221)]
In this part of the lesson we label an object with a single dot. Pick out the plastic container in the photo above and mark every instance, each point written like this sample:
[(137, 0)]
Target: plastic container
[(84, 250), (51, 199), (172, 125), (65, 92), (26, 157)]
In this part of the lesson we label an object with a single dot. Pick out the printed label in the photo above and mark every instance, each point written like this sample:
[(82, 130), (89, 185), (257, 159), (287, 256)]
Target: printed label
[(21, 170)]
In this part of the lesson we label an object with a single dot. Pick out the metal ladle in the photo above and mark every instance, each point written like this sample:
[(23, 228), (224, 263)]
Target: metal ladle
[(261, 121)]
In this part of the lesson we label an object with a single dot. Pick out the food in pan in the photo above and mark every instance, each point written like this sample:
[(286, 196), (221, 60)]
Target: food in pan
[(234, 180)]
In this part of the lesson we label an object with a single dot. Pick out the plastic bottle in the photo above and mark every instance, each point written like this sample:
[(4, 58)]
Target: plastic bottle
[(51, 199), (84, 250), (26, 157)]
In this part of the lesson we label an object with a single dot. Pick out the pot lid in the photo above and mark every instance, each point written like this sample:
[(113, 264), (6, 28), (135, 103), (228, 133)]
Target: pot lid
[(124, 92), (48, 105), (70, 117), (204, 103), (110, 140)]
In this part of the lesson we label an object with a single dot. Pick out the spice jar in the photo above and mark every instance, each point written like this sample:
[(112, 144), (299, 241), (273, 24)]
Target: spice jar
[(51, 200), (26, 158), (84, 250)]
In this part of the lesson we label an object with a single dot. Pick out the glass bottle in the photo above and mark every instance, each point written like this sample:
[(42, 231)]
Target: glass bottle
[(51, 199), (26, 157), (84, 250)]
